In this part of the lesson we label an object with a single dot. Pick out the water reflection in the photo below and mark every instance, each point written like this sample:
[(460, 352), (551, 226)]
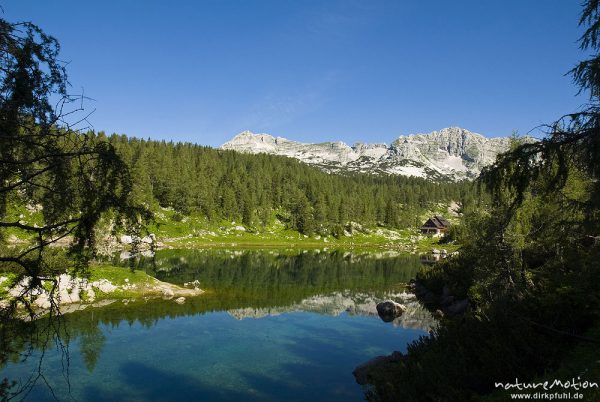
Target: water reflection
[(275, 278), (310, 313)]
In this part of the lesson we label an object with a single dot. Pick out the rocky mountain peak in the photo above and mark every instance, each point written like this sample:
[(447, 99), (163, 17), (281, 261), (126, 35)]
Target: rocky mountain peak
[(451, 153)]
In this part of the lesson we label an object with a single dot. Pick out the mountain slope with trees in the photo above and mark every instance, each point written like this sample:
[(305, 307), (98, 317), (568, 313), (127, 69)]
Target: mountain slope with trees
[(253, 189)]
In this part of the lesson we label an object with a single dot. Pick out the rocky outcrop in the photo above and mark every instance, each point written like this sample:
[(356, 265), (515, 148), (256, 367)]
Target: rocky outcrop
[(64, 291), (449, 154), (104, 286), (451, 150), (67, 290)]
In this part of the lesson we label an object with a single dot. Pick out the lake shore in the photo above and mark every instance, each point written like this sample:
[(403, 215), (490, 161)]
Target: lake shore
[(106, 283)]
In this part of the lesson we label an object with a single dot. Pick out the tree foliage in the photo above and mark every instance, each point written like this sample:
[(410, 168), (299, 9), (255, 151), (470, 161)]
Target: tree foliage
[(47, 161), (528, 265)]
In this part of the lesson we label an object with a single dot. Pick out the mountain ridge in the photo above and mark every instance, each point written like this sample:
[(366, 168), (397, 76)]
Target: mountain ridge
[(451, 153)]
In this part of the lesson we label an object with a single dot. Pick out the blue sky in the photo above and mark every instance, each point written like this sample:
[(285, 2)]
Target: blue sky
[(369, 71)]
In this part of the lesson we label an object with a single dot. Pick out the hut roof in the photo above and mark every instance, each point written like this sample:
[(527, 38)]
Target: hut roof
[(438, 222)]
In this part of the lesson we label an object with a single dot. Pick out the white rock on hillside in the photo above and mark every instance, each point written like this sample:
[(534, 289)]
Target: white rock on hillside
[(104, 286), (451, 153)]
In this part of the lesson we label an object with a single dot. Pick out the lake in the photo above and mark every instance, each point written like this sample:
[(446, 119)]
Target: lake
[(272, 325)]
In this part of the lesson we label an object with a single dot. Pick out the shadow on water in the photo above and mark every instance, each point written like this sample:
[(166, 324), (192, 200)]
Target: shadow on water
[(341, 288), (293, 381), (146, 383)]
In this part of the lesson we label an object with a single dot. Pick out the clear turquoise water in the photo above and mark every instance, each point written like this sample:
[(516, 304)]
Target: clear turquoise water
[(161, 351)]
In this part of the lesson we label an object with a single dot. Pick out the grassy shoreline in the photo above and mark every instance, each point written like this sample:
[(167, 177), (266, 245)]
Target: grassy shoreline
[(408, 241)]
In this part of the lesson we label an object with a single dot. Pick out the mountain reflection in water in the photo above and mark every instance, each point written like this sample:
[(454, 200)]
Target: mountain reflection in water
[(321, 303)]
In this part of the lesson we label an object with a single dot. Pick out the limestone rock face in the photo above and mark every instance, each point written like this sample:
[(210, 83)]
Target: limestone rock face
[(104, 286), (448, 154)]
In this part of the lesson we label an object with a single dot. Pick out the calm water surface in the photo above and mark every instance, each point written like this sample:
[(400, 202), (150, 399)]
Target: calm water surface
[(272, 326)]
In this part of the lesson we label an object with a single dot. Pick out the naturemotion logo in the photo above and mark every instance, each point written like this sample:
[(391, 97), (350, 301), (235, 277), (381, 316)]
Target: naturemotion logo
[(547, 385), (572, 386)]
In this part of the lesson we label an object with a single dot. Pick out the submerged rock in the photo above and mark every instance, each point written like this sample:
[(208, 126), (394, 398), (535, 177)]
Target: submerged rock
[(389, 310), (180, 300)]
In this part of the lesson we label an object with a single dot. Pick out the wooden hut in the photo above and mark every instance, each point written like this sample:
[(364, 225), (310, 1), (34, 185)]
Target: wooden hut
[(435, 226)]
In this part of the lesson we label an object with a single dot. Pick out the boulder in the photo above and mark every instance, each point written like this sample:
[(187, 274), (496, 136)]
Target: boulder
[(20, 288), (180, 300), (74, 296), (104, 286), (42, 301), (91, 295), (65, 283), (389, 309), (167, 292)]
